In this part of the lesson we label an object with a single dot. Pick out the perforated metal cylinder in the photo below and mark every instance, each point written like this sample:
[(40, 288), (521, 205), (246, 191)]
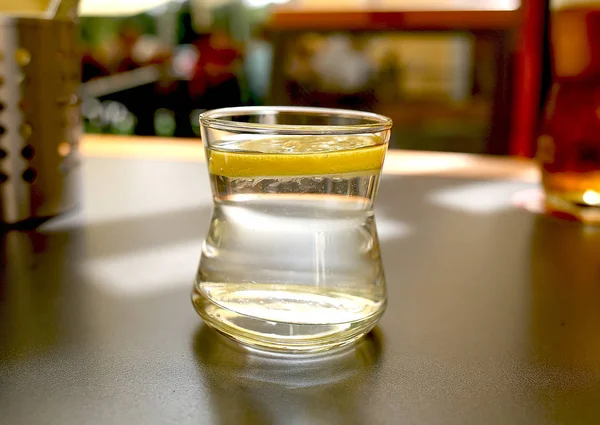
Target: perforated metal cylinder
[(39, 116)]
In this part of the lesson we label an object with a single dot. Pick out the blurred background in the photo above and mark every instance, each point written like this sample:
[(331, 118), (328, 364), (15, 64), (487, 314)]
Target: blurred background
[(454, 75)]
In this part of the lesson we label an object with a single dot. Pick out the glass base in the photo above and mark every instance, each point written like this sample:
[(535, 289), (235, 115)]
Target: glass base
[(284, 336), (563, 208)]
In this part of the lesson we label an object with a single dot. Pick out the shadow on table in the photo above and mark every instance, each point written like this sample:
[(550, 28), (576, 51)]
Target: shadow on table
[(34, 270), (132, 234), (248, 387), (565, 319)]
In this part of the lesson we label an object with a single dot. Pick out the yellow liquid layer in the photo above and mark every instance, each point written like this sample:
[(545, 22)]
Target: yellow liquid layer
[(296, 156)]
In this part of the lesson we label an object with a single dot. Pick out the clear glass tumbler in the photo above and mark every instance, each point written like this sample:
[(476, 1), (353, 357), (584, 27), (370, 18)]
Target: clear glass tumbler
[(291, 261)]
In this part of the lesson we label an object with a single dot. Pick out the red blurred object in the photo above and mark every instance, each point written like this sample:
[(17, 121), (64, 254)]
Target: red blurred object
[(527, 78), (217, 60)]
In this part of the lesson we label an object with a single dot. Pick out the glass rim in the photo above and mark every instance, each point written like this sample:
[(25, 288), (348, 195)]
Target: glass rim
[(214, 119)]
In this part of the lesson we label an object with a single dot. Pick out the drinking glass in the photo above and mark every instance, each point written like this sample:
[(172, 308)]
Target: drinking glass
[(569, 143), (291, 261)]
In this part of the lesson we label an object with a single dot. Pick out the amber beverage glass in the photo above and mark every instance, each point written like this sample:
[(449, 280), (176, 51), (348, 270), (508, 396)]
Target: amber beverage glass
[(569, 144)]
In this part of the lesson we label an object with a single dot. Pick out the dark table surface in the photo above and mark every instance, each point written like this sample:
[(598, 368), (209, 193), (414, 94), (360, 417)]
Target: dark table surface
[(493, 316)]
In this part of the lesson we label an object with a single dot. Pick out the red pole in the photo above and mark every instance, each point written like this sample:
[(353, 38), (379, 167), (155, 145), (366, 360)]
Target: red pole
[(528, 73)]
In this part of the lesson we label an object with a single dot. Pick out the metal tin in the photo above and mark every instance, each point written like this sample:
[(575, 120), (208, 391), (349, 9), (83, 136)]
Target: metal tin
[(39, 116)]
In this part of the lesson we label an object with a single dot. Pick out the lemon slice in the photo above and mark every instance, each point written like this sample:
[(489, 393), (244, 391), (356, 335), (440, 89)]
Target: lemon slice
[(297, 156)]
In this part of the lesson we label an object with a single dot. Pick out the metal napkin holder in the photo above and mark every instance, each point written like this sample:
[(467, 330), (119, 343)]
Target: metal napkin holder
[(40, 125)]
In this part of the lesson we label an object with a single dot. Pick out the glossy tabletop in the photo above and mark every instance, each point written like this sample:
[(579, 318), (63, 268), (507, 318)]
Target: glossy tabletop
[(493, 315)]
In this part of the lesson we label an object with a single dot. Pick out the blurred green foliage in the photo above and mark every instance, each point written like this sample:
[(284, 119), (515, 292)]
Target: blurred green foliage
[(96, 29)]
